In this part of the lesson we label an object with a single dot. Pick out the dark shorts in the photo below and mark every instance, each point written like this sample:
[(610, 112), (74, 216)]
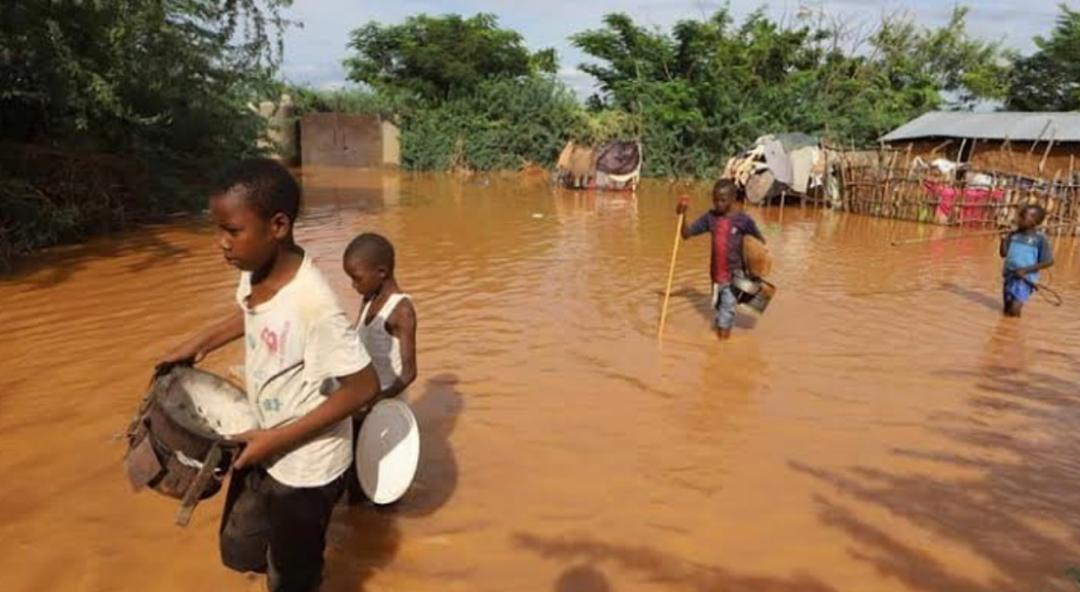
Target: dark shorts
[(271, 528)]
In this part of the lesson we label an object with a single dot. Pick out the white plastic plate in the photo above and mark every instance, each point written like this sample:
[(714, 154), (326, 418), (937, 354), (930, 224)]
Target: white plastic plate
[(387, 451)]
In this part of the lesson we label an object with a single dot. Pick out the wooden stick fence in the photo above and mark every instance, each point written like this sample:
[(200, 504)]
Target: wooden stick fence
[(892, 186)]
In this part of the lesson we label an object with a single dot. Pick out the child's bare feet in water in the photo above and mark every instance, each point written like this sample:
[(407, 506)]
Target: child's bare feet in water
[(723, 334)]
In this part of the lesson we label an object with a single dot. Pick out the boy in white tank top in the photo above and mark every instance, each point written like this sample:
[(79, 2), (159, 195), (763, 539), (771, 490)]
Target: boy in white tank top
[(386, 325)]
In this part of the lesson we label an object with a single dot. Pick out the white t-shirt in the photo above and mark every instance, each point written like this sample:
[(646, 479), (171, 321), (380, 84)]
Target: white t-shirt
[(295, 345)]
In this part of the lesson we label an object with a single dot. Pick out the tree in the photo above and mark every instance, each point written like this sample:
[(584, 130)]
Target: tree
[(1049, 79), (127, 72), (438, 58), (707, 88), (504, 123), (156, 88)]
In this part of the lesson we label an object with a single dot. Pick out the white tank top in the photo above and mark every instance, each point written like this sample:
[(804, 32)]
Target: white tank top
[(384, 348)]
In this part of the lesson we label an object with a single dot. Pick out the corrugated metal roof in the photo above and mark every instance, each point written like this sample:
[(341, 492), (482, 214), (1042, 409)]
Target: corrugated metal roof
[(1062, 126)]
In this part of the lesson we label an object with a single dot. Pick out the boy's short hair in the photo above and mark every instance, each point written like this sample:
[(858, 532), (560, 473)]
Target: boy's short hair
[(373, 248), (726, 184), (1040, 212), (269, 187)]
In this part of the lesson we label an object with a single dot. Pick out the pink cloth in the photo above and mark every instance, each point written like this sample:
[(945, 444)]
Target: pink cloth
[(974, 200)]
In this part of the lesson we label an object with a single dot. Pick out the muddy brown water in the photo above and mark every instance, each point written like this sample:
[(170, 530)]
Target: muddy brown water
[(881, 427)]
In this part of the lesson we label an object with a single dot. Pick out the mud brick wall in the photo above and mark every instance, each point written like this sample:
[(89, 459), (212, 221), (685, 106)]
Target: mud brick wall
[(338, 139)]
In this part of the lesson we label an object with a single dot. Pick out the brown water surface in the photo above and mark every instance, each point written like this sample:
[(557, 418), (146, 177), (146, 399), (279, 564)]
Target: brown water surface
[(880, 428)]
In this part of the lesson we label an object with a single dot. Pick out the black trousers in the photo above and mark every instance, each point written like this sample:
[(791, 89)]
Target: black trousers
[(269, 527)]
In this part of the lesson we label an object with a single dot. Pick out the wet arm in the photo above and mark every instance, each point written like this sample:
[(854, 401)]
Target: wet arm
[(402, 325), (1003, 248), (353, 392), (1025, 271), (683, 230), (700, 226), (1045, 260)]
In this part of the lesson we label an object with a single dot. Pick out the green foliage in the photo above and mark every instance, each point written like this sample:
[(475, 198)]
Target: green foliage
[(503, 124), (1049, 79), (163, 84), (707, 88), (28, 220), (346, 100), (598, 126), (438, 58), (119, 74)]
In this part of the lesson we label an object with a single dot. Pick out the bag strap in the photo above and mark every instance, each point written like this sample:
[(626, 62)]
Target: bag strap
[(198, 485)]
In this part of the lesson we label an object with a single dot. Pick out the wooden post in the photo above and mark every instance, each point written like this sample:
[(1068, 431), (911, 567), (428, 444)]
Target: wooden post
[(825, 177), (1046, 153), (883, 207), (940, 147), (1053, 201), (1070, 195), (1063, 203), (1040, 137), (1003, 146), (912, 188)]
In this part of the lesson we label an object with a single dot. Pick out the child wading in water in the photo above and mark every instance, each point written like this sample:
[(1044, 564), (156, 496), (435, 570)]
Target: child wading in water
[(1025, 251), (386, 324), (306, 374), (727, 228)]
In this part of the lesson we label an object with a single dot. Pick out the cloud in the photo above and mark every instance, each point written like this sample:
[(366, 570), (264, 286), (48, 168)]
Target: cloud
[(314, 73), (581, 83)]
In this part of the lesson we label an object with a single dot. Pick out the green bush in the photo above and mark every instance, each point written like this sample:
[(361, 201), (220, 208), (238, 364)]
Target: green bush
[(162, 86), (504, 124)]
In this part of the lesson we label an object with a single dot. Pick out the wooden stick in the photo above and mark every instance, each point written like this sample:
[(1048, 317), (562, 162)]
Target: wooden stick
[(982, 233), (940, 147), (884, 205), (1062, 203), (1053, 202), (960, 152), (670, 276), (1046, 153), (826, 177), (915, 241), (1039, 139), (1070, 193)]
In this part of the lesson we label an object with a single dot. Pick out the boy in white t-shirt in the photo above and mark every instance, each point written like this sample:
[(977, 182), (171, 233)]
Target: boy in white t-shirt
[(306, 375)]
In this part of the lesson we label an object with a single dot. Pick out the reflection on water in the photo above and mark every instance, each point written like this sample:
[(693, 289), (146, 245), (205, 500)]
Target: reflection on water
[(881, 428)]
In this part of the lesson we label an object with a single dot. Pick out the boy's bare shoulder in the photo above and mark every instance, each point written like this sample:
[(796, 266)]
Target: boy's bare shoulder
[(404, 312)]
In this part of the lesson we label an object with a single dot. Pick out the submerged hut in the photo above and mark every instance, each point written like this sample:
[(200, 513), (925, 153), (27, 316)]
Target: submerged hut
[(791, 164), (615, 166)]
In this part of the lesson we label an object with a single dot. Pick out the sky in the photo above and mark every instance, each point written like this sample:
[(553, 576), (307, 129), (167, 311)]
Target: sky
[(314, 51)]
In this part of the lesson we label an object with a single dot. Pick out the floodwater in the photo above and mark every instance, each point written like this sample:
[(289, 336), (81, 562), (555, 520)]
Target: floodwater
[(881, 427)]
